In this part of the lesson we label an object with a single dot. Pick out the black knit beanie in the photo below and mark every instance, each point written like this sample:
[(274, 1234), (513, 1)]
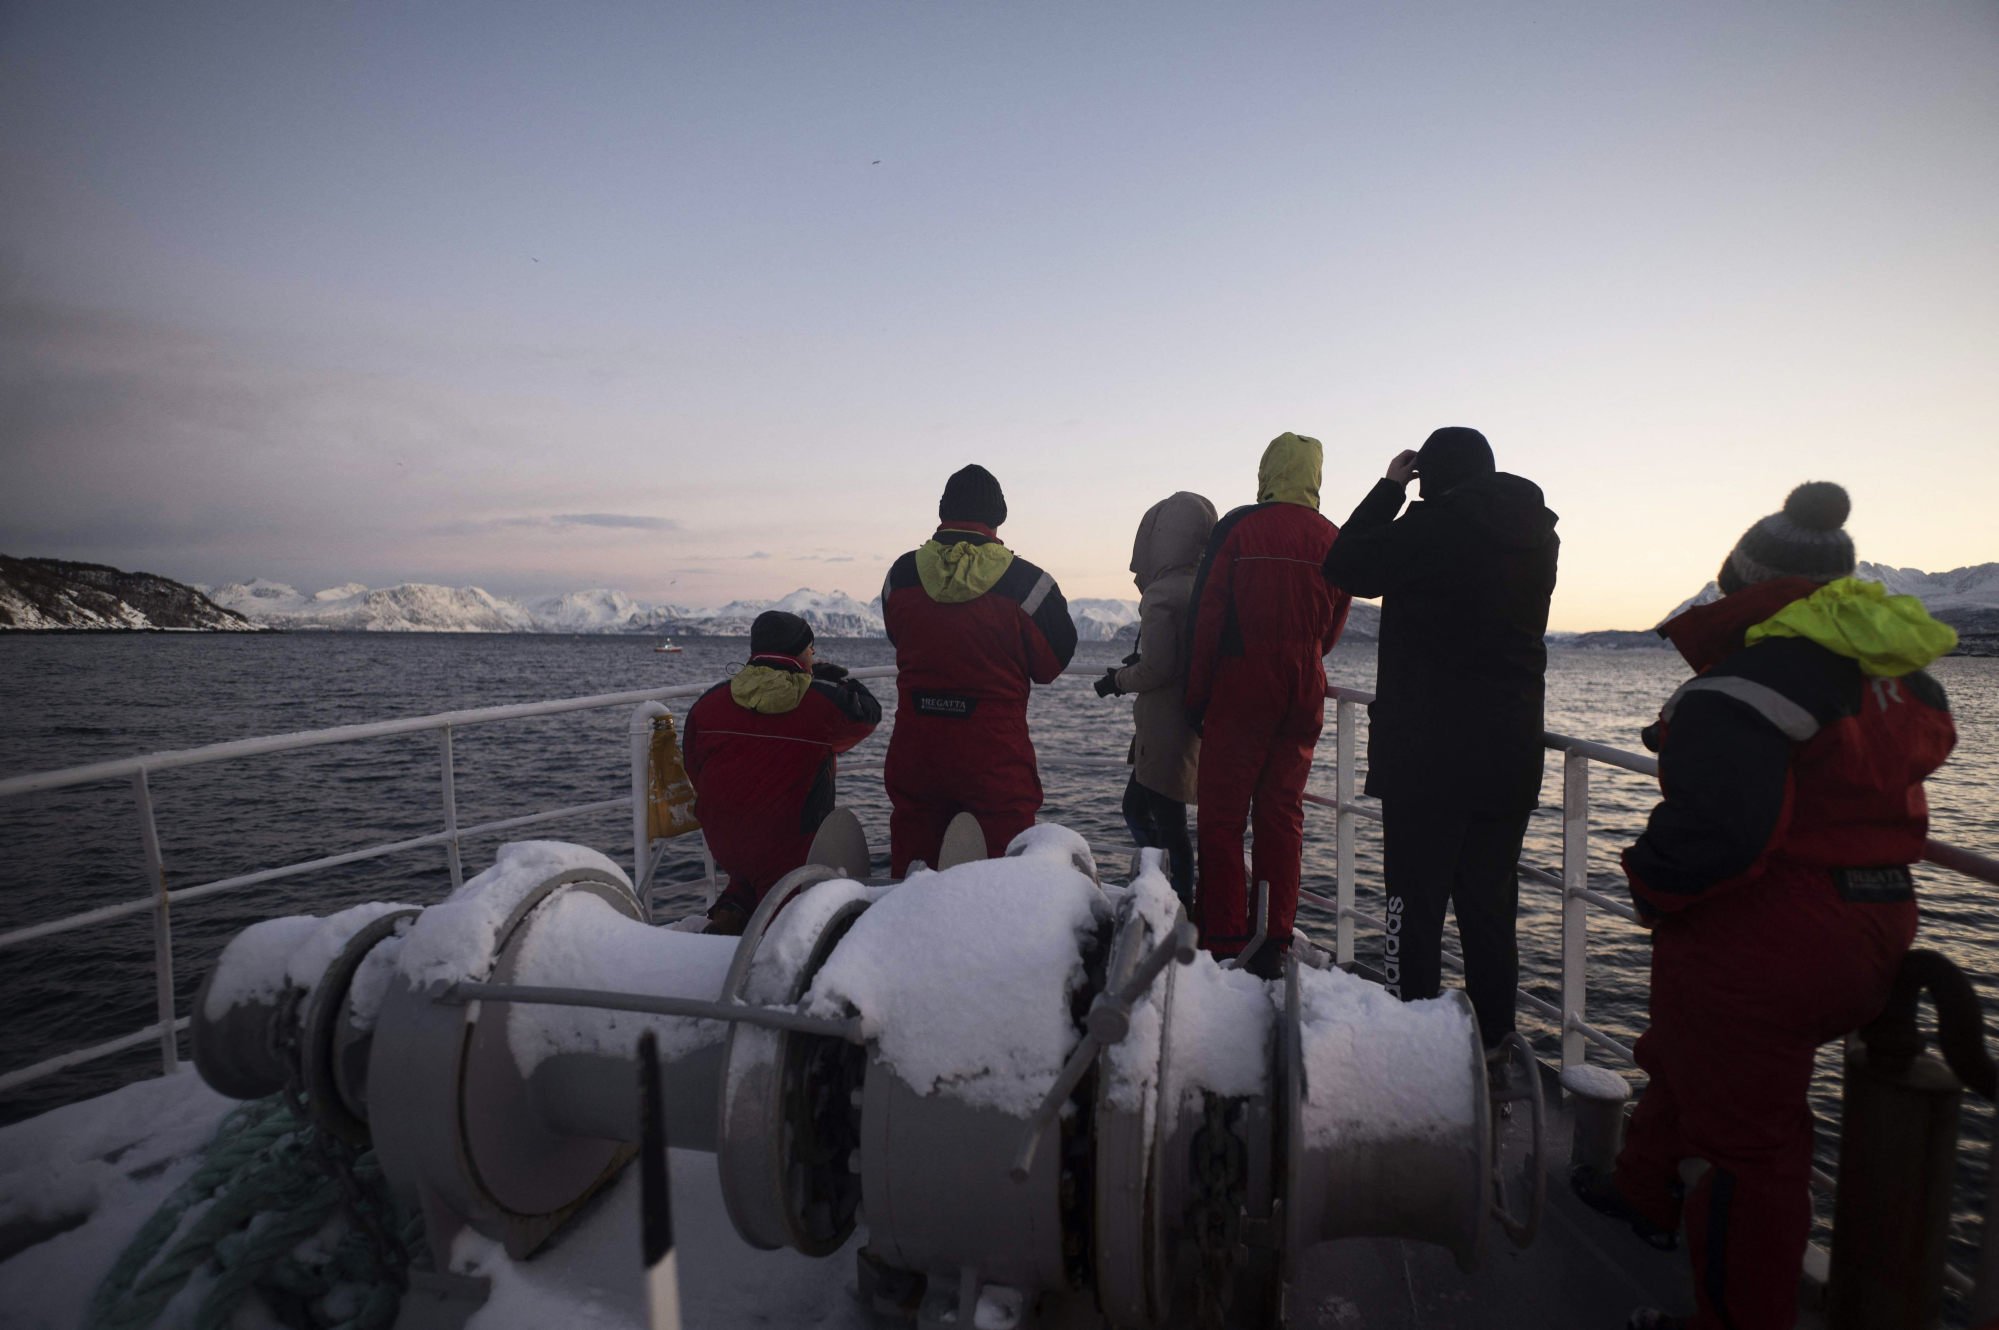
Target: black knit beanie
[(1807, 539), (972, 495), (778, 633), (1450, 457)]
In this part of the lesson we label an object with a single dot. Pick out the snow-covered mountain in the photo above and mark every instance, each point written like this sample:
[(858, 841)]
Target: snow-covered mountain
[(1972, 588), (1104, 620), (419, 607), (831, 614), (601, 611), (1965, 598), (413, 607), (416, 607)]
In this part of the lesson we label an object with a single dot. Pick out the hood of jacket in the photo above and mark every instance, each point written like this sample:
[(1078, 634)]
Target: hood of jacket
[(1289, 472), (770, 690), (1506, 507), (1172, 534), (956, 566), (1888, 636)]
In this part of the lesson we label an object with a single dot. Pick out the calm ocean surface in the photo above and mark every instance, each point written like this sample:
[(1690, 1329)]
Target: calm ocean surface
[(67, 699)]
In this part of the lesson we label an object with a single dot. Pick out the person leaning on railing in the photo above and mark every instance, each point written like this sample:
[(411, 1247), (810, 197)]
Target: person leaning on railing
[(1775, 877), (974, 627), (1454, 731), (762, 749)]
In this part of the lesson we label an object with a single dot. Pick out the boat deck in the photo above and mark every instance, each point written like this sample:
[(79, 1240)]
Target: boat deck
[(1583, 1271)]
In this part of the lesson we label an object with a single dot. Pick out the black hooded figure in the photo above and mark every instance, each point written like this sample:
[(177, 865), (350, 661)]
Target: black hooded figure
[(1454, 732)]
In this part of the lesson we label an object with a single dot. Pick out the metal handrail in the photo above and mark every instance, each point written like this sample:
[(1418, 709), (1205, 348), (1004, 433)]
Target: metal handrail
[(1577, 895), (1573, 880), (161, 899)]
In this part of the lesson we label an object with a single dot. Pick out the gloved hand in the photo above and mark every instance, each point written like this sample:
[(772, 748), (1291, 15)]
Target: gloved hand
[(1108, 684), (1132, 659), (827, 670)]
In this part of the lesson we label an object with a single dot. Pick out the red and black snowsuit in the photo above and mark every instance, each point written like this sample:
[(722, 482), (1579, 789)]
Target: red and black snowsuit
[(970, 639), (1775, 873), (1263, 620), (761, 750)]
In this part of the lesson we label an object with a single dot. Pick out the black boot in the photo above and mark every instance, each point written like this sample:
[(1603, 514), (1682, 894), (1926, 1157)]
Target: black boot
[(1600, 1194)]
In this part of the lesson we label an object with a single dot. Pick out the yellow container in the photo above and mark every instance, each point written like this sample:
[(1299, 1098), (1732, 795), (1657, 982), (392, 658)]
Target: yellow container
[(669, 794)]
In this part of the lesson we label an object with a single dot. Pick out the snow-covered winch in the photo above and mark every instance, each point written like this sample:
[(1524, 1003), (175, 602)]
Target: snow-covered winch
[(1029, 1088)]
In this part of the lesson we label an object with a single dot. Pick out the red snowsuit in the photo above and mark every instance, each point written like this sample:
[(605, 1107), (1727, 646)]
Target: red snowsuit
[(1775, 875), (1264, 618), (761, 750), (974, 626)]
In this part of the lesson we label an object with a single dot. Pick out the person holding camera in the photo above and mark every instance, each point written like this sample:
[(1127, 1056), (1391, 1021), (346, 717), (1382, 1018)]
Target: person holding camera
[(1165, 752), (1454, 731), (761, 750)]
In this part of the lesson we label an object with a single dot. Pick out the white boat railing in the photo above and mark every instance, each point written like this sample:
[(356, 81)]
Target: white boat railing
[(1570, 1015), (160, 899)]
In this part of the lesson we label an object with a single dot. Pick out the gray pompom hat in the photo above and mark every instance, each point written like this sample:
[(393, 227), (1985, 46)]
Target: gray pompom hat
[(1807, 539)]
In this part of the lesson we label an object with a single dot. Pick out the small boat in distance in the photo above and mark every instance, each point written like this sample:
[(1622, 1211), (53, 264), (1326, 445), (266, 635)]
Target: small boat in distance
[(669, 647)]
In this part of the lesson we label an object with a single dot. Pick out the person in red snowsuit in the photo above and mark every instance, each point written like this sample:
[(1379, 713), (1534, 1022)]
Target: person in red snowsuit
[(1263, 620), (1775, 878), (974, 627), (761, 750)]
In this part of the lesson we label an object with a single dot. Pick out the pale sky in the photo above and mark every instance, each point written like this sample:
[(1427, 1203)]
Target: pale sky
[(705, 300)]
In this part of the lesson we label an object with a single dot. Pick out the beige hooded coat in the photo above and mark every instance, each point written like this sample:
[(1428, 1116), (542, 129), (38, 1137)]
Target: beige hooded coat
[(1165, 752)]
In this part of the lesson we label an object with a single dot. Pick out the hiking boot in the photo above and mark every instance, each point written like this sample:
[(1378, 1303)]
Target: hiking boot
[(1267, 961), (726, 919), (1600, 1194)]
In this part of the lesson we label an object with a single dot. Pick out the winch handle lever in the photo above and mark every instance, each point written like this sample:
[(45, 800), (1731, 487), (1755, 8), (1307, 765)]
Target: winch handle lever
[(1893, 1039), (1108, 1023)]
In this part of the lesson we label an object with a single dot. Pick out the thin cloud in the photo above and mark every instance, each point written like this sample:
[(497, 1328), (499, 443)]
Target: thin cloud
[(616, 521), (757, 554), (557, 521)]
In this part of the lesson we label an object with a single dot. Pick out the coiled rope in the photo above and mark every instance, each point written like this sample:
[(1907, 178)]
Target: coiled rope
[(278, 1209)]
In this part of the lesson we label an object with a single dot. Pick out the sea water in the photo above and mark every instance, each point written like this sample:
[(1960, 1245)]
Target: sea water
[(67, 699)]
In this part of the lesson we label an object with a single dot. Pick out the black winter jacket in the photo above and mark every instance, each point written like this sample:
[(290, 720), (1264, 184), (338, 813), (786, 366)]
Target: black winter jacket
[(1464, 582)]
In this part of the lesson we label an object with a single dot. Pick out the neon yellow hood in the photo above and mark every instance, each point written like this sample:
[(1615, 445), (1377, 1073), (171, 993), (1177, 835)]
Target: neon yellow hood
[(769, 691), (1289, 472), (961, 571), (1888, 635)]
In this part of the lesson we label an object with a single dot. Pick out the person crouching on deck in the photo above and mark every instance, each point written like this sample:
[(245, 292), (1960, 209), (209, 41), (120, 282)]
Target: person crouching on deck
[(974, 626), (1165, 751), (1263, 620), (761, 750), (1774, 875)]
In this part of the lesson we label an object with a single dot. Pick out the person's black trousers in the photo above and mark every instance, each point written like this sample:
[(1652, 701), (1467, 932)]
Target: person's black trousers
[(1160, 822), (1433, 856)]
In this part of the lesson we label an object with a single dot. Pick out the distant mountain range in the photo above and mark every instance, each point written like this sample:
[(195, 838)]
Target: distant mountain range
[(1965, 598), (418, 607), (52, 593)]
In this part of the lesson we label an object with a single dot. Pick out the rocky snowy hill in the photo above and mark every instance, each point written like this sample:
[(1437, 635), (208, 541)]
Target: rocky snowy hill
[(1965, 598), (55, 593)]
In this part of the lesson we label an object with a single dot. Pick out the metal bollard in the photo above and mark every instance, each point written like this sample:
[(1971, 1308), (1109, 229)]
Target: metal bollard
[(1597, 1096), (1897, 1149)]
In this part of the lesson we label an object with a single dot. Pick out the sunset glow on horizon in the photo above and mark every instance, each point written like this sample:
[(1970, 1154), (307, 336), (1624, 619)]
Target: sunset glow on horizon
[(705, 302)]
